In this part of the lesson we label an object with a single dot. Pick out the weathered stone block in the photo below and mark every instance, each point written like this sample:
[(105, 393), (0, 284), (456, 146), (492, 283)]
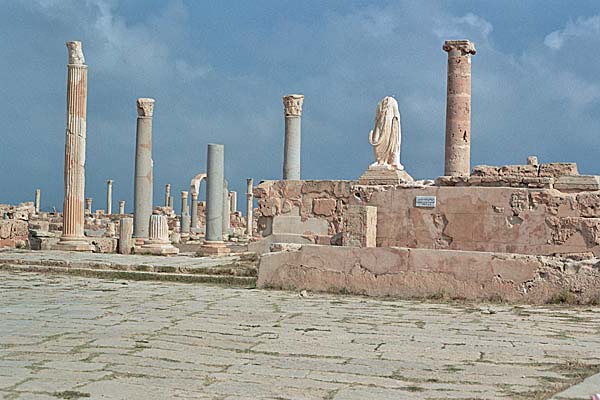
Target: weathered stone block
[(360, 226), (558, 169), (577, 183), (324, 207)]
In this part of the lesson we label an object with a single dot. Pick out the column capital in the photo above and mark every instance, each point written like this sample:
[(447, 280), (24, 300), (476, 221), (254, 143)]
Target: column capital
[(145, 107), (464, 46), (184, 194), (75, 53), (110, 181), (292, 104)]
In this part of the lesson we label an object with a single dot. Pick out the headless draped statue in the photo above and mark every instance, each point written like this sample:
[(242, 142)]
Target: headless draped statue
[(385, 136)]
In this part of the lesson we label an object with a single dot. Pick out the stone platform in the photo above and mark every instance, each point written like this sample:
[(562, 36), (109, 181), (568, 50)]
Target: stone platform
[(237, 269)]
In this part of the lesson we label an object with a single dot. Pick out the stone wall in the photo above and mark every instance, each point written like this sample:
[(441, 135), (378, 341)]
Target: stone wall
[(420, 273), (518, 219), (14, 230)]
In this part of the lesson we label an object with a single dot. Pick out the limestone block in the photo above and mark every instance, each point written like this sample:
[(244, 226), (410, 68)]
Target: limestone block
[(324, 207), (384, 176), (485, 170), (103, 245), (282, 224), (518, 170), (360, 226), (577, 183), (558, 169)]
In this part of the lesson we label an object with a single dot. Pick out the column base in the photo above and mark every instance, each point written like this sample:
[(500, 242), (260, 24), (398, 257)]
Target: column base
[(73, 244), (157, 249), (210, 248)]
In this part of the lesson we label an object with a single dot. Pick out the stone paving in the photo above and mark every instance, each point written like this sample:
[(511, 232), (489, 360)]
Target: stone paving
[(76, 338)]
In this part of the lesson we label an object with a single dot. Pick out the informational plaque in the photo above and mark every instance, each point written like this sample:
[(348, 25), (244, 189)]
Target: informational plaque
[(425, 201)]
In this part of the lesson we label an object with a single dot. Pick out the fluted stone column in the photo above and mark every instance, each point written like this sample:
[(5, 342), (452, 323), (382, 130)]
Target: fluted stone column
[(458, 108), (226, 211), (109, 184), (122, 207), (185, 214), (158, 238), (74, 169), (38, 193), (291, 153), (88, 205), (194, 216), (125, 235), (213, 243), (249, 205), (142, 196), (167, 194)]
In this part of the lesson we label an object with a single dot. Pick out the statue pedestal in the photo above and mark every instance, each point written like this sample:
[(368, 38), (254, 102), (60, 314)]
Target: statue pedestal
[(384, 175)]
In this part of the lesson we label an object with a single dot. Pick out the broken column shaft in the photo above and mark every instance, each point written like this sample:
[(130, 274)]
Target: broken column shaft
[(213, 243), (249, 205), (109, 184), (458, 108)]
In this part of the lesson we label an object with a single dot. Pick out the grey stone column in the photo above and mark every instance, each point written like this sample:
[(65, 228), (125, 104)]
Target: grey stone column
[(171, 204), (38, 193), (458, 108), (88, 205), (249, 206), (74, 172), (125, 235), (194, 216), (185, 213), (142, 195), (167, 194), (226, 211), (292, 149), (213, 243), (122, 208), (233, 201), (109, 184)]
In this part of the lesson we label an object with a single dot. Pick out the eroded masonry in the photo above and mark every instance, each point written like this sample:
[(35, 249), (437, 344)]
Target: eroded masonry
[(527, 232)]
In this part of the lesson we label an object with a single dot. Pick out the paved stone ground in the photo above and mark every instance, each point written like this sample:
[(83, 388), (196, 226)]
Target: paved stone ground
[(70, 338)]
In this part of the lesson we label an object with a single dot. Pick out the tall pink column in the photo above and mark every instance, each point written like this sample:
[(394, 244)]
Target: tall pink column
[(458, 108), (73, 209)]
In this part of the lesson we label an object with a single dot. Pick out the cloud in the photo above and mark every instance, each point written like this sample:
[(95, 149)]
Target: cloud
[(582, 28)]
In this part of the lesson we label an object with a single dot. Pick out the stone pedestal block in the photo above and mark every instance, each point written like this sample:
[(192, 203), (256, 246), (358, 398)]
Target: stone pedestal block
[(382, 175)]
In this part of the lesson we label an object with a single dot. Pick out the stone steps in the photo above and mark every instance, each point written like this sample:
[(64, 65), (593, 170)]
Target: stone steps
[(234, 270)]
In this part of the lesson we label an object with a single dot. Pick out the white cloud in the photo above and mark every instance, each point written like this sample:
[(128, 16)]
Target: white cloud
[(582, 28)]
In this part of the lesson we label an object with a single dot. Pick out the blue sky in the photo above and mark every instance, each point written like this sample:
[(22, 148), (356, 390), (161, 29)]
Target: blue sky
[(218, 70)]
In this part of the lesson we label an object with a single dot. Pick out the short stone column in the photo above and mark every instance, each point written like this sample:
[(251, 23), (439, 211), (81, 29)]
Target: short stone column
[(38, 194), (185, 214), (226, 211), (213, 243), (458, 108), (142, 195), (249, 205), (360, 226), (158, 238), (167, 194), (109, 184), (233, 201), (291, 152), (125, 235), (194, 216), (74, 172), (88, 205), (122, 207)]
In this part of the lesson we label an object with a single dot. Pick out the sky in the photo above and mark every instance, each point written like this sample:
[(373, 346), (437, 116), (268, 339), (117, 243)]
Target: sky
[(218, 71)]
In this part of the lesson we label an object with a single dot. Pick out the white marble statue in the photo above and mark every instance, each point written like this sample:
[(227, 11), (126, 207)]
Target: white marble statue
[(385, 136)]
